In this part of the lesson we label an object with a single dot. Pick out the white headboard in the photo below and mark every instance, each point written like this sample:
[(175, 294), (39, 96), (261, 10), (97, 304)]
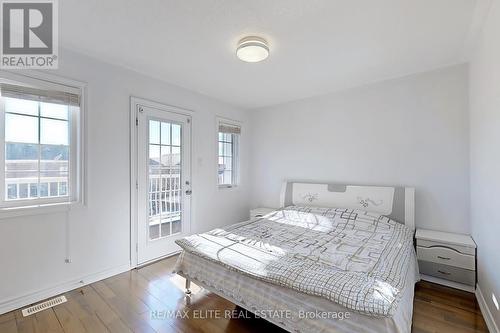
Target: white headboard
[(398, 203)]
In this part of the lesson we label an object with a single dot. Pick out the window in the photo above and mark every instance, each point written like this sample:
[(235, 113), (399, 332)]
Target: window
[(228, 154), (39, 144), (165, 194)]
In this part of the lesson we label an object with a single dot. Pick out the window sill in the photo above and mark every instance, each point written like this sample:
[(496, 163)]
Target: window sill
[(12, 212)]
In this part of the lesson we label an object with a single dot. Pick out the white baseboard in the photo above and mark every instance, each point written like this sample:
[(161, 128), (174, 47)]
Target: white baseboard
[(487, 315), (36, 296)]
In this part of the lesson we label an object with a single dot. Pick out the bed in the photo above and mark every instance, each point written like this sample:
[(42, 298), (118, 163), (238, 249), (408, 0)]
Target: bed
[(333, 258)]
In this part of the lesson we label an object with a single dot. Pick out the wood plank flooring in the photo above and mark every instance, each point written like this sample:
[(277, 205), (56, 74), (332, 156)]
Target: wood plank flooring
[(127, 303)]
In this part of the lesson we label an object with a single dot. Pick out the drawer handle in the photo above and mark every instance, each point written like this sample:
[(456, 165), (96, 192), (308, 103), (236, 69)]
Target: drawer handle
[(445, 273), (444, 258)]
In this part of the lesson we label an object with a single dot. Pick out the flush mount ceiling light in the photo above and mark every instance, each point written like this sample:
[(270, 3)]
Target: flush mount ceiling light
[(252, 49)]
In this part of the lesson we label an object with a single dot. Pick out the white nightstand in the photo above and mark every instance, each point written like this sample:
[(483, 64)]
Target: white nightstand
[(447, 258), (260, 211)]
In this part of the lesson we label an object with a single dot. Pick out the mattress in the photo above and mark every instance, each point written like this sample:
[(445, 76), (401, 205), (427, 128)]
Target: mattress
[(292, 310), (352, 257)]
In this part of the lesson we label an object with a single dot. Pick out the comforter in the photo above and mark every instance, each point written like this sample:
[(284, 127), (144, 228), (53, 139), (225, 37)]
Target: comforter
[(354, 258)]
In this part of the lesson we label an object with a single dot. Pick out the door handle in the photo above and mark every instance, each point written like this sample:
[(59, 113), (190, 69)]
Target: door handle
[(189, 192)]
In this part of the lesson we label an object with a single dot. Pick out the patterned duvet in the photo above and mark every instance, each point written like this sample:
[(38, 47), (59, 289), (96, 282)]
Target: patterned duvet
[(357, 259)]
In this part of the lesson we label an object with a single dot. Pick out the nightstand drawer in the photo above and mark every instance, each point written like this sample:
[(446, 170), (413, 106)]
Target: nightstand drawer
[(446, 256), (456, 274), (460, 248)]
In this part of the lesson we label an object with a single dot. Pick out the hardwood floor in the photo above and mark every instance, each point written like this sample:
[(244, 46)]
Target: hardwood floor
[(441, 309), (129, 301)]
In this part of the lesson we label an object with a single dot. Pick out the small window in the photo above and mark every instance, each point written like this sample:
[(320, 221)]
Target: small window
[(39, 144), (228, 154)]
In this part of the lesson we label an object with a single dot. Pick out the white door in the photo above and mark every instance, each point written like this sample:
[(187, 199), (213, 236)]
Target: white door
[(163, 181)]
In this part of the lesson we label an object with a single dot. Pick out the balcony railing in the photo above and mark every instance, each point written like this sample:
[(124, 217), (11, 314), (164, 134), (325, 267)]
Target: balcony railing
[(31, 179), (164, 204)]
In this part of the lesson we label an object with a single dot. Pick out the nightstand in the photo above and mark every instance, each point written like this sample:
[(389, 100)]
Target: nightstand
[(447, 258), (260, 211)]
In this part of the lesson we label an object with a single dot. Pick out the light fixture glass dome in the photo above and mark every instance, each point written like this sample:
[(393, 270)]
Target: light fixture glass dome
[(252, 49)]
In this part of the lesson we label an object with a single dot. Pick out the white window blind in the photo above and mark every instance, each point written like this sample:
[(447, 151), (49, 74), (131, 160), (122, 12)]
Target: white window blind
[(34, 94), (229, 128)]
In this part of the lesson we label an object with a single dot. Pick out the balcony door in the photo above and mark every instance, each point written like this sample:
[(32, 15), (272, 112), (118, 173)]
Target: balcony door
[(163, 187)]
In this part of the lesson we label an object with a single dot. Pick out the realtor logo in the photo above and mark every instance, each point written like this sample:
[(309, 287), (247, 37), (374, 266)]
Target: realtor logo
[(29, 34)]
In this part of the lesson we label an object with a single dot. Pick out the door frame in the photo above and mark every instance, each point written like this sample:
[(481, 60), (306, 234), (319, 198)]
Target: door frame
[(135, 103)]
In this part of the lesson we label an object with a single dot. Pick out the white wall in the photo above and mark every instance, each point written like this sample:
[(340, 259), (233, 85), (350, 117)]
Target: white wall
[(485, 157), (410, 131), (33, 248)]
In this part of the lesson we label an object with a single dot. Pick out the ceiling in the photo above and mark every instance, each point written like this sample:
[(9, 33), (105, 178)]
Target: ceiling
[(317, 46)]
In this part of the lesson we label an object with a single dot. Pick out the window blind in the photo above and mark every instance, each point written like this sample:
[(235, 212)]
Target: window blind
[(229, 128), (40, 95)]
